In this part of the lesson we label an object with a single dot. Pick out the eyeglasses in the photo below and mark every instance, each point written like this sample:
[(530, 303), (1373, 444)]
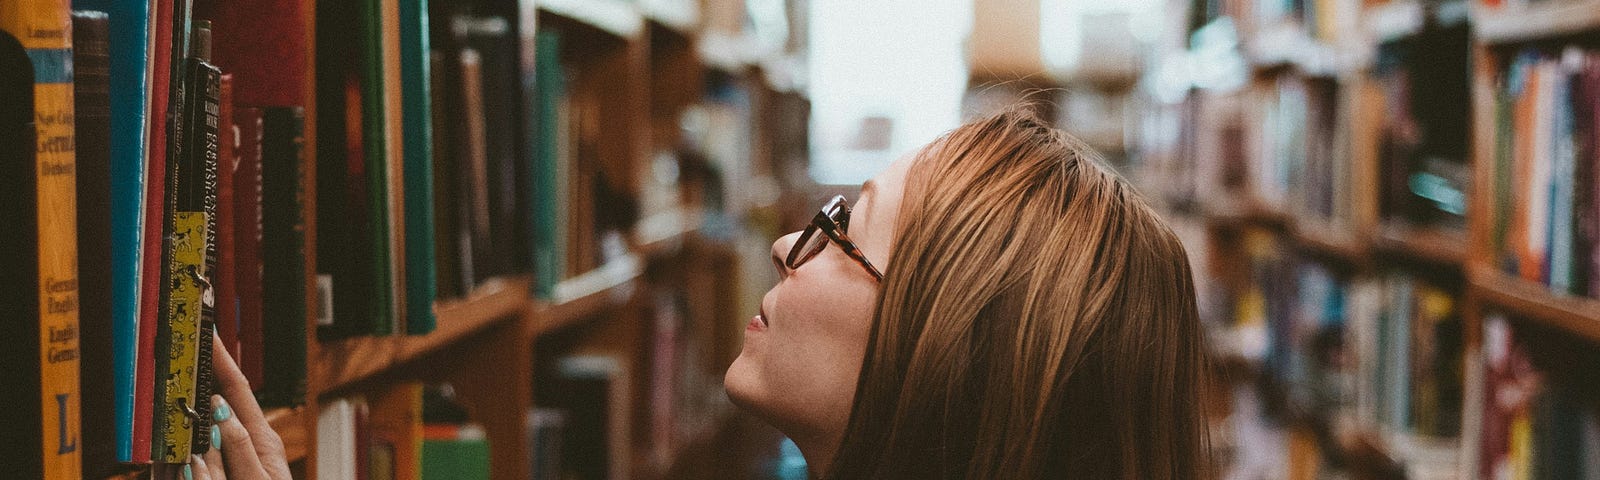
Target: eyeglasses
[(833, 220)]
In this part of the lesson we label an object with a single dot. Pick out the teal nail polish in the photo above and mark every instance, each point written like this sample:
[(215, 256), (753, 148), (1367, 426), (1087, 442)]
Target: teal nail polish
[(222, 413), (188, 472), (216, 437)]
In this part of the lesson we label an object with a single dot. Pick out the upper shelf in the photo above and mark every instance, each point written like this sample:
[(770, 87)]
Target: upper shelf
[(1439, 246), (1535, 302), (1535, 22), (615, 17)]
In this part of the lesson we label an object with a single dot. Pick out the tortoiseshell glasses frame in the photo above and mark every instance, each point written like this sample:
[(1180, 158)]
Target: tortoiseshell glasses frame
[(832, 221)]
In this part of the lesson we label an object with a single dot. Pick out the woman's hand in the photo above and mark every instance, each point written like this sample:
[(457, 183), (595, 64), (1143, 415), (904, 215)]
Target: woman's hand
[(248, 449)]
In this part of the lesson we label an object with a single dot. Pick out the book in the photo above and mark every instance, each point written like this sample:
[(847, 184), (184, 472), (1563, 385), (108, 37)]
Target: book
[(91, 95), (224, 278), (506, 163), (353, 227), (152, 260), (189, 315), (473, 171), (394, 231), (454, 451), (247, 232), (130, 97), (336, 440), (549, 254), (545, 427), (263, 44), (452, 249), (43, 430), (395, 425), (286, 189), (420, 272), (44, 27), (594, 392)]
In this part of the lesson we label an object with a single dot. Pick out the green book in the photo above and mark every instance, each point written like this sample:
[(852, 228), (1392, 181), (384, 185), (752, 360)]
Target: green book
[(462, 456), (548, 182), (417, 114), (285, 190)]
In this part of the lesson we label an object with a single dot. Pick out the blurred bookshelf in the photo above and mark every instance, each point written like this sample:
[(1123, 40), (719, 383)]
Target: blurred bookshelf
[(1369, 246)]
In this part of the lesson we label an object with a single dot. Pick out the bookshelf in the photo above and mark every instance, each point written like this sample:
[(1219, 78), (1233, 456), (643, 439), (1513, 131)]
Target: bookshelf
[(1535, 22), (1222, 160), (577, 206)]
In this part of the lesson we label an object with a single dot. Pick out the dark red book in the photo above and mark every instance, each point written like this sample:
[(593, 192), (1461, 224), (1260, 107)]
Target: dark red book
[(247, 238), (227, 296), (151, 265), (263, 44), (92, 123)]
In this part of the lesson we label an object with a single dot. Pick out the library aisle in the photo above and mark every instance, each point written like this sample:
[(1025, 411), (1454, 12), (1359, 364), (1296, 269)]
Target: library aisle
[(521, 239)]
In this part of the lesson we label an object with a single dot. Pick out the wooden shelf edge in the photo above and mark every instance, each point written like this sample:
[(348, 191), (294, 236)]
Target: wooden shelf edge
[(1434, 245), (1331, 243), (342, 362), (290, 424), (579, 297), (1580, 316), (1245, 209), (614, 17), (1554, 19)]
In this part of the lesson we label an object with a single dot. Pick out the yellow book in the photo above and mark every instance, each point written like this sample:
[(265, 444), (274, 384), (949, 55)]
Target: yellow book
[(44, 27), (183, 304)]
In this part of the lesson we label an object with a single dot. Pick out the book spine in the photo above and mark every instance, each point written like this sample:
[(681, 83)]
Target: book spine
[(224, 278), (420, 273), (92, 125), (247, 234), (375, 140), (19, 431), (548, 267), (445, 129), (205, 147), (394, 166), (190, 301), (129, 55), (285, 190), (44, 28), (151, 264)]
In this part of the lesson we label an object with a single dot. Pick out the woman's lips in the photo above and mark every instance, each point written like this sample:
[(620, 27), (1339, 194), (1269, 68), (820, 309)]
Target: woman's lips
[(759, 322)]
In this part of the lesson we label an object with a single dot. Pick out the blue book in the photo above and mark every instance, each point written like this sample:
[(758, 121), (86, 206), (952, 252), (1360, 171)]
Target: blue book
[(130, 56), (416, 118)]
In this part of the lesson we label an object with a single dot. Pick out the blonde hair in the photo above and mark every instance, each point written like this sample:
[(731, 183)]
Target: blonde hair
[(1036, 320)]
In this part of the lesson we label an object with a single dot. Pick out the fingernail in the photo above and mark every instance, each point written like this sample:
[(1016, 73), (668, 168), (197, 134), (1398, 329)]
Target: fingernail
[(188, 472), (216, 437), (221, 413)]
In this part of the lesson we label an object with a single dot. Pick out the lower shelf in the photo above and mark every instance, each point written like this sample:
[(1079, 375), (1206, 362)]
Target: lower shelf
[(290, 423), (1536, 302)]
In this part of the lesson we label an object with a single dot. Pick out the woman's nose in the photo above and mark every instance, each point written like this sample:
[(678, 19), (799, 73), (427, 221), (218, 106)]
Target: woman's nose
[(780, 252)]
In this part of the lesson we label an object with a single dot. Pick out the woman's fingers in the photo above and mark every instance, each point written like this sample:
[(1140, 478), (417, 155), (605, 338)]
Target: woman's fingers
[(260, 443), (197, 470), (238, 451), (213, 463)]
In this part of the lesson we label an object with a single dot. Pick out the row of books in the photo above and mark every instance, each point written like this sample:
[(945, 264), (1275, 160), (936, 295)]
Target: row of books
[(1295, 161), (1424, 80), (163, 207), (1546, 195), (1384, 348), (1538, 423)]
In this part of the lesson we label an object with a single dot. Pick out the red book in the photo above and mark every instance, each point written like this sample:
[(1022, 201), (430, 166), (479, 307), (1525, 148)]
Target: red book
[(155, 192), (247, 239), (263, 43), (227, 297)]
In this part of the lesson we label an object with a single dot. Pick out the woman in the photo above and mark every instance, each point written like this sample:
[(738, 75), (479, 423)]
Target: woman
[(995, 306)]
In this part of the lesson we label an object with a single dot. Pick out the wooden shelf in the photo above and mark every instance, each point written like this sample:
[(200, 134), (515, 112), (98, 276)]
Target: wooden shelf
[(1433, 245), (1580, 316), (342, 362), (583, 296), (1330, 243), (1540, 21), (290, 424), (615, 17), (1236, 209)]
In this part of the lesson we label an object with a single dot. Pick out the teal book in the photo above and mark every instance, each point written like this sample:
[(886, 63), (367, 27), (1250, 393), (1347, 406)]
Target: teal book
[(550, 91), (130, 102), (416, 117)]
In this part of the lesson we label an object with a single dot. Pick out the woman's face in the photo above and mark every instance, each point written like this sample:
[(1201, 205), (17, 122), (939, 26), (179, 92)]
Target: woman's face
[(804, 350)]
